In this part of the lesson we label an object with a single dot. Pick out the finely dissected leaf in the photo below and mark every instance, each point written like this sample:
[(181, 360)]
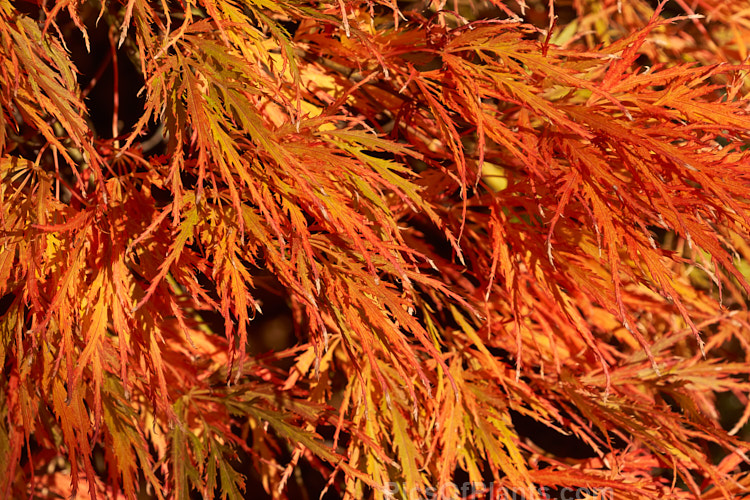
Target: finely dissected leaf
[(407, 453)]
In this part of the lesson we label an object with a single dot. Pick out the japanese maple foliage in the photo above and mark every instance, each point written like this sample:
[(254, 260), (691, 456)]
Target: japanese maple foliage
[(510, 239)]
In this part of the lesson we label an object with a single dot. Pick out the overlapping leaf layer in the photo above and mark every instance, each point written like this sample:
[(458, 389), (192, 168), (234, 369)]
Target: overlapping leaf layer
[(481, 219)]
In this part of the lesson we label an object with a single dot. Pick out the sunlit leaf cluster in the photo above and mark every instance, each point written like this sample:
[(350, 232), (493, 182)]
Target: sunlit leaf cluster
[(374, 248)]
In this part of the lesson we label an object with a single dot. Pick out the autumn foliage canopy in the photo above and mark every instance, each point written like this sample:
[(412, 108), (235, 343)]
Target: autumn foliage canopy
[(372, 248)]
